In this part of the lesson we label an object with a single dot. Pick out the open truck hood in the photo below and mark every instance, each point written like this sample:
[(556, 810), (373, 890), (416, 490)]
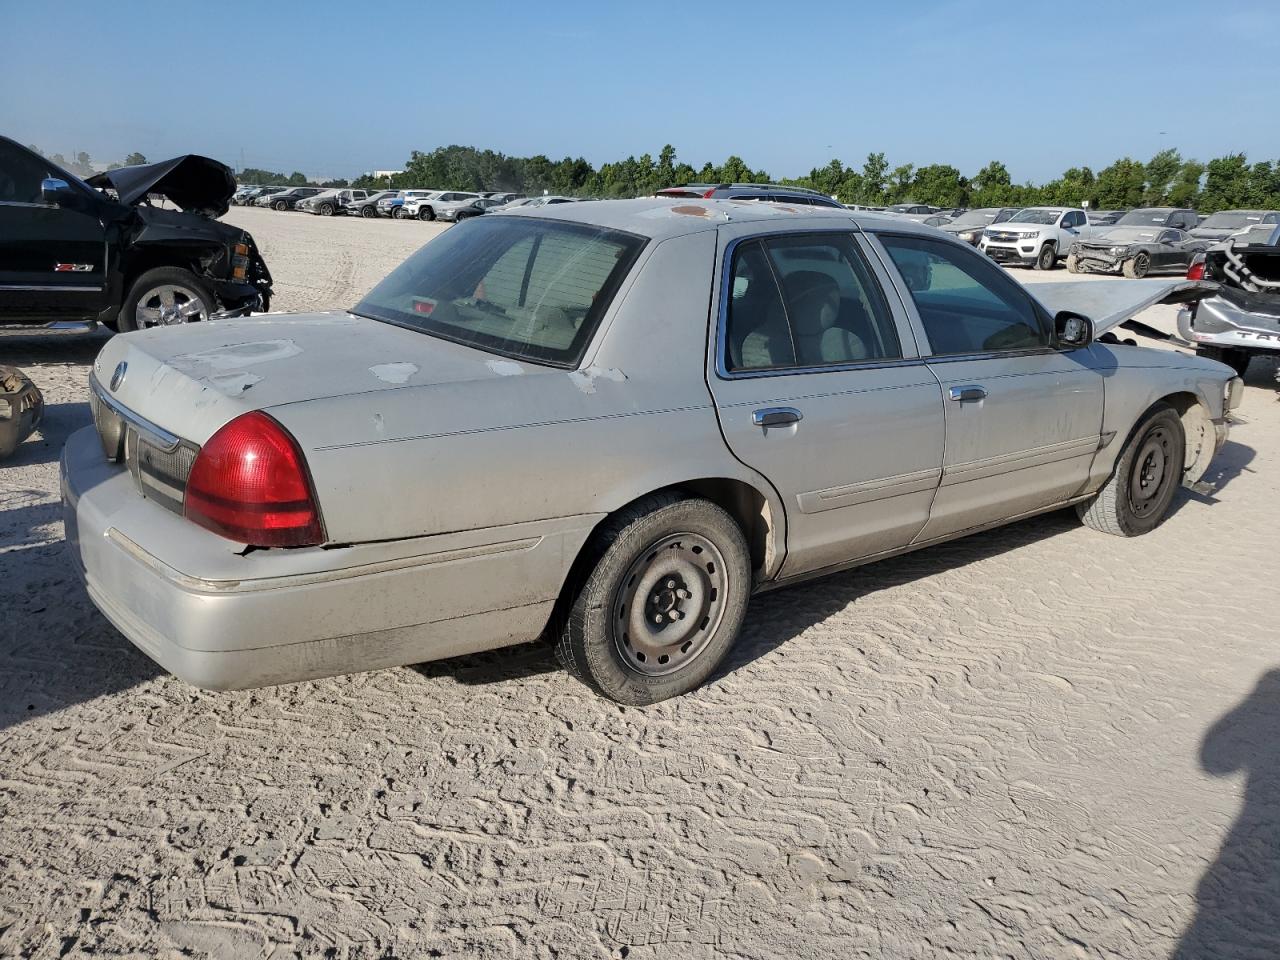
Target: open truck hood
[(1109, 303), (194, 183)]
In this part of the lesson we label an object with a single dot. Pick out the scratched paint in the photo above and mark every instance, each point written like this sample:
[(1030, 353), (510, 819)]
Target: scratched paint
[(394, 372), (505, 368), (585, 379)]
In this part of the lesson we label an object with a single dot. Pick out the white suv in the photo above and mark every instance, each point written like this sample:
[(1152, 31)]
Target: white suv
[(435, 203)]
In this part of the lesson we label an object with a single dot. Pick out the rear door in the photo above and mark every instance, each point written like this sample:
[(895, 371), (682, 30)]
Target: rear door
[(1023, 420), (819, 386), (53, 257)]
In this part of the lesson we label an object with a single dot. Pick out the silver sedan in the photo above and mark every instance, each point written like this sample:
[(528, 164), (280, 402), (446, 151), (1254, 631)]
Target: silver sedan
[(608, 423)]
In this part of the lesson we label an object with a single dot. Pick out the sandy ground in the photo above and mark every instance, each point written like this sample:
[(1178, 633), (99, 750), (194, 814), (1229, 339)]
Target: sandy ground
[(1036, 742)]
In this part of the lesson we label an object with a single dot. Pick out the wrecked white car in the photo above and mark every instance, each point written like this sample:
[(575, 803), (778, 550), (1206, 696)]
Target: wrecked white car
[(611, 422)]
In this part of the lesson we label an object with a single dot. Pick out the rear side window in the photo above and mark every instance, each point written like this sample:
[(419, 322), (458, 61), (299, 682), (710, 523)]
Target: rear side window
[(966, 304), (805, 301), (521, 287)]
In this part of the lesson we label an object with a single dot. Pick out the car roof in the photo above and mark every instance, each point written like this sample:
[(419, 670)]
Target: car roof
[(663, 217)]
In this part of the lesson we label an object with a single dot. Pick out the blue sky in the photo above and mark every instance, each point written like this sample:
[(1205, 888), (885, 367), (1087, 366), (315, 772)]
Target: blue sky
[(335, 88)]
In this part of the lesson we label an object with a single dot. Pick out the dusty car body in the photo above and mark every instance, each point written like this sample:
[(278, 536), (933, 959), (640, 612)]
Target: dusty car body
[(1243, 320), (493, 445), (21, 409), (1135, 252), (969, 225), (1225, 223), (103, 251)]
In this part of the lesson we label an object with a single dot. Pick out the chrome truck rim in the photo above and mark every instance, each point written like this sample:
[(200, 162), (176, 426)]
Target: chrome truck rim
[(670, 604), (169, 304)]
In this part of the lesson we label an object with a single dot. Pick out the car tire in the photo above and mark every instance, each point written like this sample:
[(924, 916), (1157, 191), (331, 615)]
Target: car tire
[(426, 213), (1237, 360), (397, 213), (1136, 498), (1073, 263), (1047, 258), (278, 206), (368, 212), (681, 561), (158, 278), (326, 209), (1137, 267)]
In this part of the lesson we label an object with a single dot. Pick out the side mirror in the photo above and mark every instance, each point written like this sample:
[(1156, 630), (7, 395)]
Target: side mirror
[(1071, 331), (55, 192)]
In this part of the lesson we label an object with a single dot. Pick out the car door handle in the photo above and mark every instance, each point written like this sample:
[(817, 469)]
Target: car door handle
[(776, 416), (969, 393)]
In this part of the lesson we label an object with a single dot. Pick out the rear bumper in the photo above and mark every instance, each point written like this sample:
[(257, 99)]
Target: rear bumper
[(1218, 323), (175, 592)]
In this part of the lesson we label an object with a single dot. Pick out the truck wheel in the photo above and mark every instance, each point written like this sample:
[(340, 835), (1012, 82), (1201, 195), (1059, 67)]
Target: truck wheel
[(326, 209), (1137, 496), (1048, 257), (1236, 359), (1073, 263), (663, 599), (368, 212), (426, 213), (163, 297), (1137, 268)]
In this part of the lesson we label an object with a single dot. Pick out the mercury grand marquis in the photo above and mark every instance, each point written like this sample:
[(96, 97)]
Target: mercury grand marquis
[(608, 423)]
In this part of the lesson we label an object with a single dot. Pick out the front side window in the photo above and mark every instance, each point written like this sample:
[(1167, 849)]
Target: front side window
[(805, 301), (517, 286), (966, 304), (21, 174)]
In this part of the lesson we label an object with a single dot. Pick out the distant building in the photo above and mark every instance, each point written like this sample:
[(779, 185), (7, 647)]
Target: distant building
[(383, 174)]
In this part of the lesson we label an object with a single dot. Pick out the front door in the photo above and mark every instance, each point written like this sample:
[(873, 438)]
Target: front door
[(819, 386), (52, 257), (1023, 420)]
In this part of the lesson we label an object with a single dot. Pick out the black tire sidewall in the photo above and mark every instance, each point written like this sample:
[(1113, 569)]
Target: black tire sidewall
[(125, 322), (590, 627), (1131, 524), (1047, 253)]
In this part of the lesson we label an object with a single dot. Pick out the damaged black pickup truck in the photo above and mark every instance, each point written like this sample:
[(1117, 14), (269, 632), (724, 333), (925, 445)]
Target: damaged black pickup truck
[(103, 250)]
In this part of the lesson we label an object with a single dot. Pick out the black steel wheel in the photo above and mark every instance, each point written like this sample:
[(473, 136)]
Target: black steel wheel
[(1137, 496), (662, 593)]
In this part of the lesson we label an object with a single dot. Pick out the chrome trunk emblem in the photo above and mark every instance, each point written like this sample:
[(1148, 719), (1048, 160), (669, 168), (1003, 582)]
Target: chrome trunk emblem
[(117, 378)]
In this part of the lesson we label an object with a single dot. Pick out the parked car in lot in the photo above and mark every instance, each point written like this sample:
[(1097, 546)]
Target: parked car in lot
[(772, 192), (435, 203), (393, 206), (1104, 218), (1242, 320), (1135, 251), (1036, 236), (242, 192), (503, 197), (251, 198), (1179, 218), (1224, 223), (466, 209), (970, 224), (286, 199), (629, 416), (368, 207), (98, 250), (329, 203), (921, 209)]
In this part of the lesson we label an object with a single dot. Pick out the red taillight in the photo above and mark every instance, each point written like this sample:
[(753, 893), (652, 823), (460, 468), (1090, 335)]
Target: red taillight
[(708, 194), (1196, 271), (250, 484)]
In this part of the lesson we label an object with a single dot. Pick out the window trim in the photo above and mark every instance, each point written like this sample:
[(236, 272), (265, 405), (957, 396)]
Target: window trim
[(917, 322), (722, 370)]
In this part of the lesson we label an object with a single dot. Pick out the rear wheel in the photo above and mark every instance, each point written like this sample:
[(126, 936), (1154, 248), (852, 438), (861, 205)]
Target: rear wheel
[(165, 296), (278, 206), (1137, 496), (1136, 268), (662, 602), (1047, 258), (426, 213)]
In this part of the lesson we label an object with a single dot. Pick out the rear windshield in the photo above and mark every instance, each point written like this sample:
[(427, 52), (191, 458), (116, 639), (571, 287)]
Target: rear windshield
[(517, 286), (1225, 221)]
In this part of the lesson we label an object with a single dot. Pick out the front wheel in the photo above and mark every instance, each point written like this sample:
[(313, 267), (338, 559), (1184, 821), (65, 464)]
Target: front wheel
[(163, 297), (1073, 263), (1048, 257), (426, 213), (663, 600), (1137, 268), (326, 209), (1137, 496), (278, 206), (397, 213), (368, 212)]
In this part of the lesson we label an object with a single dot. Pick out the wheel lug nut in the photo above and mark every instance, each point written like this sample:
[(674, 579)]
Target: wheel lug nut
[(682, 594), (674, 614), (657, 618), (671, 584)]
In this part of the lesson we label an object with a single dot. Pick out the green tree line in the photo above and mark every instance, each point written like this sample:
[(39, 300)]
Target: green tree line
[(1167, 178)]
